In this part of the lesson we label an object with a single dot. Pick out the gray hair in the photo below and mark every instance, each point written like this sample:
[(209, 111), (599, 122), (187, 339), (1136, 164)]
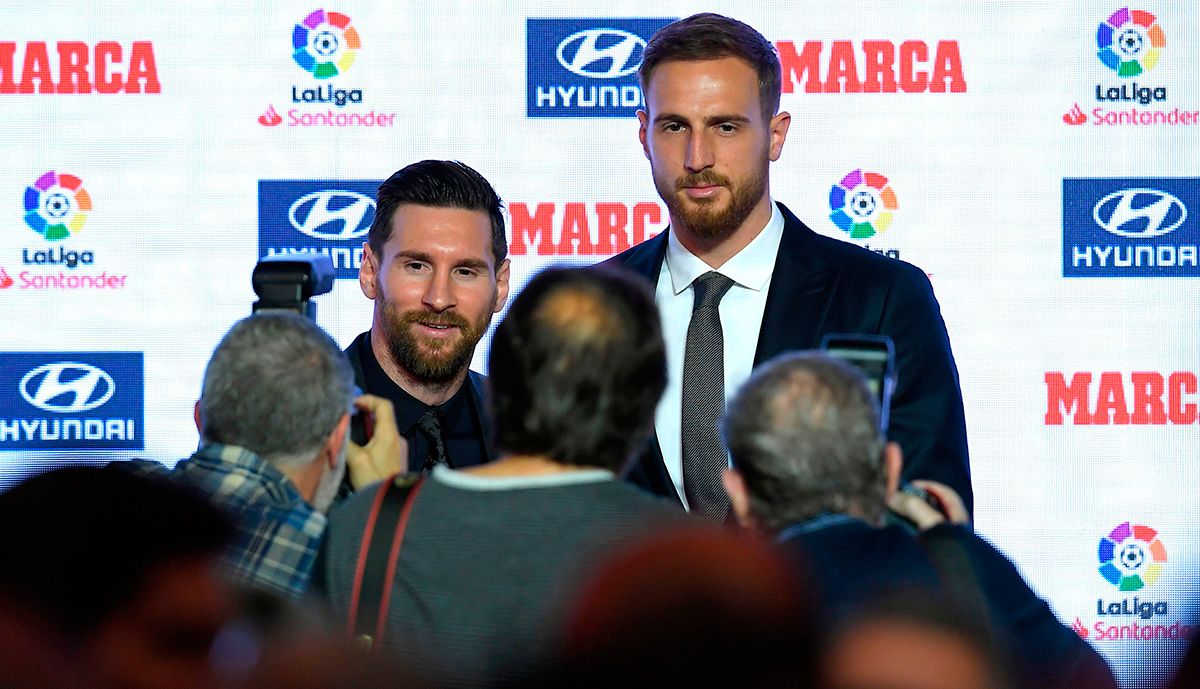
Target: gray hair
[(804, 434), (276, 385)]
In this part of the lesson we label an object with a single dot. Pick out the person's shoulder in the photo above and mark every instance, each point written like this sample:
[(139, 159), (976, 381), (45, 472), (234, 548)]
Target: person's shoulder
[(867, 265), (627, 498)]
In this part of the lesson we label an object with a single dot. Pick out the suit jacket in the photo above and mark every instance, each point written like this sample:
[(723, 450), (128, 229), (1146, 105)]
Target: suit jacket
[(850, 566), (821, 285)]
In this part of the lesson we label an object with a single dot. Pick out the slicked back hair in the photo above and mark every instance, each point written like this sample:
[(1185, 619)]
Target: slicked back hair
[(277, 385), (577, 367), (437, 184), (804, 433), (709, 36)]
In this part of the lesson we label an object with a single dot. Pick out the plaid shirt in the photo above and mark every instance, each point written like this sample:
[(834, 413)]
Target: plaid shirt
[(278, 532)]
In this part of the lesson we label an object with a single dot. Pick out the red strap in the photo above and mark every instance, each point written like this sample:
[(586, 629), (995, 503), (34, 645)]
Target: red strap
[(363, 549), (394, 558)]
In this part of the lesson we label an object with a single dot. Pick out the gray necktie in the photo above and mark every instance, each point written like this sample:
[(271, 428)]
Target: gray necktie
[(704, 455)]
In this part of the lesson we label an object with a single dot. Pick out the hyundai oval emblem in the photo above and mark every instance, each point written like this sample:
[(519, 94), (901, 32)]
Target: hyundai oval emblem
[(601, 53), (1139, 213), (333, 214), (67, 387)]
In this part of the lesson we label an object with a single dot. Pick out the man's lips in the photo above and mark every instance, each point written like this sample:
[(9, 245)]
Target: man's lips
[(437, 330), (701, 191)]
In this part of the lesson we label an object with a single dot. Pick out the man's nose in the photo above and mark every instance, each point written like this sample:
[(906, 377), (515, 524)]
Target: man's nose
[(439, 293), (699, 152)]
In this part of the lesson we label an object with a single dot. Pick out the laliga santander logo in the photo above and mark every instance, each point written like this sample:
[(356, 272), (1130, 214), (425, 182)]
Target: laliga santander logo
[(56, 205), (1131, 557), (1129, 42), (862, 204), (325, 44)]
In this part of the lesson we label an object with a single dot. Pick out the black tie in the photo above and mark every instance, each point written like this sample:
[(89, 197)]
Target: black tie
[(704, 400), (430, 424)]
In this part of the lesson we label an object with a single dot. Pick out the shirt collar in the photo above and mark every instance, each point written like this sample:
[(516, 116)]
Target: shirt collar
[(751, 267)]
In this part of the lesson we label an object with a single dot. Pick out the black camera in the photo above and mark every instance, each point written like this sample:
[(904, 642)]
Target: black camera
[(287, 282)]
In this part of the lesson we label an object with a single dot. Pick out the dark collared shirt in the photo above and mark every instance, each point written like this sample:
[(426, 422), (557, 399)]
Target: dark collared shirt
[(461, 429)]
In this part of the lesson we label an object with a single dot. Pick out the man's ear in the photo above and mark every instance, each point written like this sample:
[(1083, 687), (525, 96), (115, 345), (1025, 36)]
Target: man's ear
[(643, 123), (739, 498), (893, 463), (196, 416), (368, 273), (335, 441), (502, 278), (779, 128)]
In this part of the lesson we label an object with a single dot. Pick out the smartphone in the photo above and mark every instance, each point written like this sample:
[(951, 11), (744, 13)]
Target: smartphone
[(875, 356)]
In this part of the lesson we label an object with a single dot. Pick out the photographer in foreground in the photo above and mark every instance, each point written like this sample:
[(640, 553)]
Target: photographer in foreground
[(811, 467)]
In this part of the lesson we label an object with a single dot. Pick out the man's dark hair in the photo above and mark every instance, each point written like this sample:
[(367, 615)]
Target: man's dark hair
[(577, 367), (709, 36), (79, 542), (438, 184), (804, 433)]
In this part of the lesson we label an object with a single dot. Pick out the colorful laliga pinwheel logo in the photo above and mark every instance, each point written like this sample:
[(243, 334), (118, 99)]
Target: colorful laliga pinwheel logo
[(862, 204), (325, 44), (56, 205), (1132, 557), (1130, 42)]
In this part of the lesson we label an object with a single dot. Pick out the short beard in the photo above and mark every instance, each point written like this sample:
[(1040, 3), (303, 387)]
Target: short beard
[(701, 218), (430, 361)]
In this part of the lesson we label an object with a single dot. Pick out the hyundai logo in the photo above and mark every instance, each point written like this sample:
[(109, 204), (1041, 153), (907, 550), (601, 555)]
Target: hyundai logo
[(601, 53), (1139, 213), (67, 387), (334, 214)]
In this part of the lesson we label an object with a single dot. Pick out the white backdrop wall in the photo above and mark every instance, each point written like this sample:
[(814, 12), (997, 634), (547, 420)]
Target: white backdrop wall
[(1007, 147)]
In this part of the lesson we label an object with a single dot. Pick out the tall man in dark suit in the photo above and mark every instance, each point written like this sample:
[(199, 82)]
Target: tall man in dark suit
[(435, 265), (740, 279)]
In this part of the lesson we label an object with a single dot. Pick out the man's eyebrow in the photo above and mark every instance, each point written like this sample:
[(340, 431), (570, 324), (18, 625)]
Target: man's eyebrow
[(708, 121), (417, 255), (414, 254)]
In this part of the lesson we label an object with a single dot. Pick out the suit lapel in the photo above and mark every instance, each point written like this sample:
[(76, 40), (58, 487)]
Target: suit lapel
[(475, 383), (801, 290)]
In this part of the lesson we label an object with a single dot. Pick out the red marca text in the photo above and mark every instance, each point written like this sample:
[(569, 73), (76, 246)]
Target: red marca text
[(872, 67), (581, 229), (1140, 398), (77, 67)]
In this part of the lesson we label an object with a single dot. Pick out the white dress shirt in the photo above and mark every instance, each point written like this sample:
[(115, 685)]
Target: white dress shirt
[(741, 318)]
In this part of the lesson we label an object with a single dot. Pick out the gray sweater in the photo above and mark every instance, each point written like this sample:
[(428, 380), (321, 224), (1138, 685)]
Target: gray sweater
[(488, 565)]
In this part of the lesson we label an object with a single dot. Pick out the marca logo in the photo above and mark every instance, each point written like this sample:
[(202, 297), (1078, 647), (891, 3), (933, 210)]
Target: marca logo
[(872, 67), (71, 400), (585, 67), (347, 212), (79, 68), (601, 53), (581, 229), (327, 216), (1139, 213), (1131, 227), (67, 387), (1139, 398)]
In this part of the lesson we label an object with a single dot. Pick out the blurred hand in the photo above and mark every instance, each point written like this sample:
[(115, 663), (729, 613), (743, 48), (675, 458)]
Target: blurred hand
[(921, 513), (385, 454)]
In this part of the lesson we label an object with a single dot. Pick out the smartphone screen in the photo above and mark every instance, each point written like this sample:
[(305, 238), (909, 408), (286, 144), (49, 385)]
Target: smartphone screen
[(874, 355)]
